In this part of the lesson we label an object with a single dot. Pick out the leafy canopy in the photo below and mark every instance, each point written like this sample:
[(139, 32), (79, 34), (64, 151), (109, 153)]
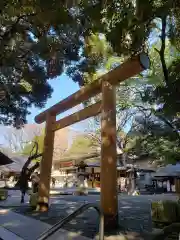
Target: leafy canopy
[(37, 39)]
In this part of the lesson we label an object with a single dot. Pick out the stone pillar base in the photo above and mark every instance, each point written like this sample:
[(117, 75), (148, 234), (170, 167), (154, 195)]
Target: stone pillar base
[(110, 222), (42, 207)]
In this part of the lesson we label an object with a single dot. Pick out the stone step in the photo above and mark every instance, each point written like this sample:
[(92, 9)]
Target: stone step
[(65, 235), (127, 236), (7, 235), (27, 228)]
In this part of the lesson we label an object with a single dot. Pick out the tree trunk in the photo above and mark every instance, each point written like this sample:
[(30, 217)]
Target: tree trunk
[(124, 158), (177, 186), (133, 181)]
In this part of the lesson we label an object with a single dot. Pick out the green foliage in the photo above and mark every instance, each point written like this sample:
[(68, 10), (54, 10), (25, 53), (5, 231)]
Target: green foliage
[(3, 194), (28, 148), (38, 38), (92, 38), (128, 24), (96, 53), (81, 145), (157, 126), (157, 148), (165, 211)]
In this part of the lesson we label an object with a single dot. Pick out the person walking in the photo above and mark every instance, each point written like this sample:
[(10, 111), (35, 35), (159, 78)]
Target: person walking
[(53, 182), (24, 179), (23, 184)]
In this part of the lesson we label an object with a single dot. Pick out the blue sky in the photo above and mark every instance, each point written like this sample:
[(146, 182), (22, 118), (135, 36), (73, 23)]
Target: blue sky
[(63, 86)]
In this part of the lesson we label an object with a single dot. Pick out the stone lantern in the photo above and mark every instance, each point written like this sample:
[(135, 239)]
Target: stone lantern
[(82, 179)]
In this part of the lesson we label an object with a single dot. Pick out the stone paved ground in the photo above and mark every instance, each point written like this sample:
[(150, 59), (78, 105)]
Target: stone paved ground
[(134, 213)]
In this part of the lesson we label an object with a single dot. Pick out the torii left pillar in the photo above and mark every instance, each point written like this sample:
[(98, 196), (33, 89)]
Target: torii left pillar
[(46, 165), (109, 198)]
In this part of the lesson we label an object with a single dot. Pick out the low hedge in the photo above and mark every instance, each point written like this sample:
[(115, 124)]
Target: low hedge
[(33, 200), (165, 211), (3, 194), (81, 191)]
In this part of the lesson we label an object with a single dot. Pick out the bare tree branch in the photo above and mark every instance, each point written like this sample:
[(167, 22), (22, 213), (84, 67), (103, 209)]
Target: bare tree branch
[(18, 138)]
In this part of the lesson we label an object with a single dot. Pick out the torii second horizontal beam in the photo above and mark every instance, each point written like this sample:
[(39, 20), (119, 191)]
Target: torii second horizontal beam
[(81, 115)]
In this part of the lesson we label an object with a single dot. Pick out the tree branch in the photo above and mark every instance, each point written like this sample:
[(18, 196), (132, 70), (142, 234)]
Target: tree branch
[(162, 118), (95, 138), (157, 50), (12, 29), (7, 36), (162, 50)]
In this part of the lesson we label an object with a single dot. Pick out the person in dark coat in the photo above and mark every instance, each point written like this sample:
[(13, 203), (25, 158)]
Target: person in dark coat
[(24, 178), (53, 182), (23, 183), (26, 172)]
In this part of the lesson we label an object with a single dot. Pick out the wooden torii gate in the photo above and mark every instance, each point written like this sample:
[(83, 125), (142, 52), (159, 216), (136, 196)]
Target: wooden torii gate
[(107, 107)]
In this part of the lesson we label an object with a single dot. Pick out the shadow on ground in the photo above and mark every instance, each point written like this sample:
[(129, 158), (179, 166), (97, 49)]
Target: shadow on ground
[(133, 217), (134, 213), (85, 224)]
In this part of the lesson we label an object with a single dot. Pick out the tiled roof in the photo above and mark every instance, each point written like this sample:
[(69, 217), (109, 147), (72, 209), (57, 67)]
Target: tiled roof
[(4, 159), (16, 166)]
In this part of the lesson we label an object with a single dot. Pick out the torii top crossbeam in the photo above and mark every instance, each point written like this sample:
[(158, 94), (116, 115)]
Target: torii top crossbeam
[(131, 67)]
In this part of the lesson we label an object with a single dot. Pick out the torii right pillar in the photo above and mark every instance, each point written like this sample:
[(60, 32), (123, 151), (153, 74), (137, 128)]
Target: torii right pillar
[(109, 197)]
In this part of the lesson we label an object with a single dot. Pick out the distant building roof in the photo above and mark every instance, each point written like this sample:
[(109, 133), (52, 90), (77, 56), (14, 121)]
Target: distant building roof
[(171, 170), (4, 159), (16, 166)]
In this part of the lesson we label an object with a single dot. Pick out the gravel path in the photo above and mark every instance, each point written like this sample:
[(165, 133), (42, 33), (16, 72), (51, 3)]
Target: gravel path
[(134, 213)]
